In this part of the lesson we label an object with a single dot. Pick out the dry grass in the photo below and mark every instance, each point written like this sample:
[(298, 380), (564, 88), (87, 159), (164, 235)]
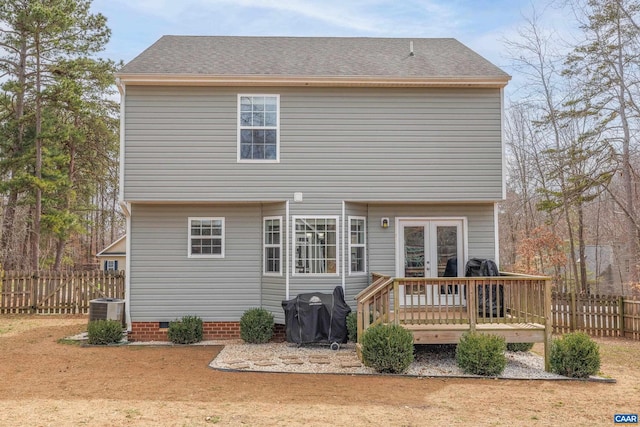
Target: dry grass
[(48, 383)]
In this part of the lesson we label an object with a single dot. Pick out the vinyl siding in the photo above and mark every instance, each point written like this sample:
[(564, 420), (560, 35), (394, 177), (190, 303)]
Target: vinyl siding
[(358, 144), (166, 284), (480, 223)]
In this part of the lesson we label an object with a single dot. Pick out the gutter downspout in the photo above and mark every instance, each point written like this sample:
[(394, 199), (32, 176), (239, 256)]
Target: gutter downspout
[(288, 251), (344, 253), (125, 206)]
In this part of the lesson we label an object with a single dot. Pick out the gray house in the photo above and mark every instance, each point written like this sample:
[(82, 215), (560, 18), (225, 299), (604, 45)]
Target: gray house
[(257, 168)]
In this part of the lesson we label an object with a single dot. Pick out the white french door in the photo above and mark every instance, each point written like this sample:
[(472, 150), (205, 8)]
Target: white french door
[(431, 248)]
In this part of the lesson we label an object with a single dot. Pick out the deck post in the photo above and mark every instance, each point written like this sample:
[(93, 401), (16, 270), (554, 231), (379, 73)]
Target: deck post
[(360, 320), (472, 305), (548, 325), (396, 303)]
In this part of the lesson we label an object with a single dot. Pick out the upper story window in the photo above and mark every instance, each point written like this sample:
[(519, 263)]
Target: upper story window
[(258, 128), (206, 237)]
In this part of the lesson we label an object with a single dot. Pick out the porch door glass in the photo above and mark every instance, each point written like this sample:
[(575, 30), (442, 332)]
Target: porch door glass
[(426, 243), (447, 250), (414, 251)]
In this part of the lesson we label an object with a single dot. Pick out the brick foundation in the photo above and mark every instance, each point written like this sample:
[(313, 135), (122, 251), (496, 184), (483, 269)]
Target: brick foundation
[(151, 331)]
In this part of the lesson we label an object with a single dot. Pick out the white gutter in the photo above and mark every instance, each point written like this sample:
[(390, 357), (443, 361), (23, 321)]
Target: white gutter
[(496, 212), (288, 252), (344, 253), (126, 208), (322, 81), (123, 91)]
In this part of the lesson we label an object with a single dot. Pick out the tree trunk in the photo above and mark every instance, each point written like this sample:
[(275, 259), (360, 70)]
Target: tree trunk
[(8, 220), (581, 248), (627, 169), (35, 239), (8, 226), (60, 245)]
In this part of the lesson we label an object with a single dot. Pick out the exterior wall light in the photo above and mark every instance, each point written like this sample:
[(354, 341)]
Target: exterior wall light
[(384, 222)]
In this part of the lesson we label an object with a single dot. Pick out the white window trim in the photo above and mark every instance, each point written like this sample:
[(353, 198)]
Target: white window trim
[(277, 159), (272, 245), (359, 245), (293, 242), (222, 237), (110, 265)]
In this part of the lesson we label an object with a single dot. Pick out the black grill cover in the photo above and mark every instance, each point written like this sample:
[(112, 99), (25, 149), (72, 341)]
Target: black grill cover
[(490, 297), (316, 318)]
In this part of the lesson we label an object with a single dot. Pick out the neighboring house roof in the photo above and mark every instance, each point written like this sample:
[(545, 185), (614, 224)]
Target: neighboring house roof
[(311, 61), (114, 249)]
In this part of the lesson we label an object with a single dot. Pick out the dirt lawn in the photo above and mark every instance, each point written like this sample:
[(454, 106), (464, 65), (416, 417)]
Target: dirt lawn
[(46, 383)]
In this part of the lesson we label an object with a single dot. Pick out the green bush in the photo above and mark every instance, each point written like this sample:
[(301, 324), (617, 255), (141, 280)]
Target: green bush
[(352, 326), (575, 355), (256, 326), (387, 348), (481, 354), (186, 330), (519, 346), (102, 332)]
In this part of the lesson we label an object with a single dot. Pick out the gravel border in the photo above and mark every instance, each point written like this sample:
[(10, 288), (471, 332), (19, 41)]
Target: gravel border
[(430, 361)]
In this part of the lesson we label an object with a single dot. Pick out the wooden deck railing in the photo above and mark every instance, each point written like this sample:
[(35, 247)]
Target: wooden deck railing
[(440, 310), (505, 299), (374, 303)]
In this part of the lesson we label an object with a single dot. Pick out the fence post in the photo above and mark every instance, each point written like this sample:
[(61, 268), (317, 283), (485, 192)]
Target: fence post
[(34, 281), (548, 325), (572, 312), (621, 315)]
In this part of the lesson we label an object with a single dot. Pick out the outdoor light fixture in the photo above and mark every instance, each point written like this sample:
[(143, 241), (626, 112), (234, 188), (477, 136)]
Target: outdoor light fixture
[(384, 222)]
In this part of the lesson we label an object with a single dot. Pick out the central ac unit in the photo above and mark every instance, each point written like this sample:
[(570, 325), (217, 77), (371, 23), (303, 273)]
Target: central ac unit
[(107, 309)]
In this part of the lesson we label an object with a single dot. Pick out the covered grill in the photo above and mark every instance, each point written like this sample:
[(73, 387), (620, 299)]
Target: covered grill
[(317, 318)]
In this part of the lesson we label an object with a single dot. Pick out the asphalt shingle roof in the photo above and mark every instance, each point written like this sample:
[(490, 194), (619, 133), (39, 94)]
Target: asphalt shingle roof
[(312, 57)]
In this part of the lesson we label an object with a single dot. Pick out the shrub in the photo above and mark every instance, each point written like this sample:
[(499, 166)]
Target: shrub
[(519, 346), (186, 330), (481, 354), (352, 326), (575, 355), (102, 332), (256, 326), (387, 348)]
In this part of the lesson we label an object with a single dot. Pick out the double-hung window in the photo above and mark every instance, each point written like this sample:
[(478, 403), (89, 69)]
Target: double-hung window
[(272, 245), (357, 244), (316, 247), (206, 237), (258, 128)]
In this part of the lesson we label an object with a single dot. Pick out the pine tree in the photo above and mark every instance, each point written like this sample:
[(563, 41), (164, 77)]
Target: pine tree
[(40, 41)]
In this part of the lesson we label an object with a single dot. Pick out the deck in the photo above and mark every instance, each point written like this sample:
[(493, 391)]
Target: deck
[(440, 310)]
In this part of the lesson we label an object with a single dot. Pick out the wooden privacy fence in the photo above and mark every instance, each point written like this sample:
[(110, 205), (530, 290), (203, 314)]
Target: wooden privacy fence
[(597, 315), (57, 292)]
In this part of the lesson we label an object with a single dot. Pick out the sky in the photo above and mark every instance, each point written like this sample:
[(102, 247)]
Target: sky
[(483, 25)]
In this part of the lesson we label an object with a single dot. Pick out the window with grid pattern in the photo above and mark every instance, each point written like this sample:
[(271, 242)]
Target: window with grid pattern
[(206, 237), (272, 245), (357, 245), (258, 127)]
